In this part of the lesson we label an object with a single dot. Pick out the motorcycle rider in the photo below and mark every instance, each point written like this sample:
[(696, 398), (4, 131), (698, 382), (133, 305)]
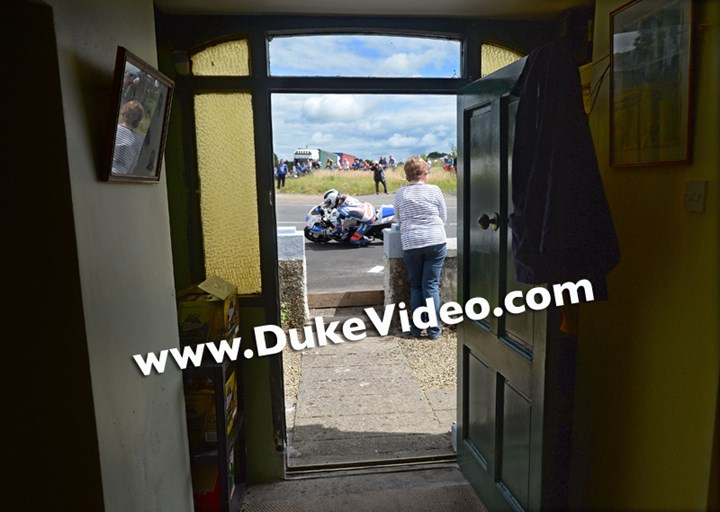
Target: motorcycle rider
[(343, 207)]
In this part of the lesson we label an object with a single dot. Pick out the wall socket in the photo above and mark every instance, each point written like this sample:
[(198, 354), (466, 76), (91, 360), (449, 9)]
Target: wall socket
[(695, 196)]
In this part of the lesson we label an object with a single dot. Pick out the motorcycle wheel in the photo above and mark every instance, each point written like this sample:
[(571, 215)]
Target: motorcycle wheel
[(314, 237)]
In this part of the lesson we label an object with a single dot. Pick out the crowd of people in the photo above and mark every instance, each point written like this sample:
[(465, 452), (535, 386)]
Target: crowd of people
[(378, 167)]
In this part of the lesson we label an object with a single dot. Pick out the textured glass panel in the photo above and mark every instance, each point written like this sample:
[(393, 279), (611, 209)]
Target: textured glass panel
[(494, 58), (364, 56), (228, 197), (224, 59)]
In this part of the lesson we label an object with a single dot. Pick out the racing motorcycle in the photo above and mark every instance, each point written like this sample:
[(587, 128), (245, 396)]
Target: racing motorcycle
[(321, 225)]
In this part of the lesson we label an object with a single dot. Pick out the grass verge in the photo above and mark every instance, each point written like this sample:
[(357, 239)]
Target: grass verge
[(361, 182)]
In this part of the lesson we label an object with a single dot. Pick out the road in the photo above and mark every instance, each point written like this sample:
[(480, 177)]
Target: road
[(338, 267)]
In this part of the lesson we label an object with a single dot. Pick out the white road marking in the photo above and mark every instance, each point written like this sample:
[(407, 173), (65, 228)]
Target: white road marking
[(376, 269)]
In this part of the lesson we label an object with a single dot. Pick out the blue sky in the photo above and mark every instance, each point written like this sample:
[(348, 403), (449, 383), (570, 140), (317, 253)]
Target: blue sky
[(364, 125)]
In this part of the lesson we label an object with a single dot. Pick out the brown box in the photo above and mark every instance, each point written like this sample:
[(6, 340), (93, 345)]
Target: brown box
[(208, 311), (201, 419)]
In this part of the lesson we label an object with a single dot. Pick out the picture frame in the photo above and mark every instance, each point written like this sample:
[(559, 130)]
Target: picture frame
[(651, 49), (139, 117)]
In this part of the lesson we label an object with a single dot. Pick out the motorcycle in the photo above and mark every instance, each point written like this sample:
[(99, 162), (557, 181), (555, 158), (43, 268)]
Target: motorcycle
[(321, 227)]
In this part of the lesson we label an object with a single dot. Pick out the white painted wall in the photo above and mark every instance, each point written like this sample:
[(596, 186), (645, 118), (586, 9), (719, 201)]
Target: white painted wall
[(125, 265)]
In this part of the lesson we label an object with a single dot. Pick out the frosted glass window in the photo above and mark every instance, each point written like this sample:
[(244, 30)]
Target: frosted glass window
[(224, 59), (228, 195), (495, 57), (364, 56)]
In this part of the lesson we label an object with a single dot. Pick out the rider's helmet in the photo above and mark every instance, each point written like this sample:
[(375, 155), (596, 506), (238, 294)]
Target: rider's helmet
[(330, 199)]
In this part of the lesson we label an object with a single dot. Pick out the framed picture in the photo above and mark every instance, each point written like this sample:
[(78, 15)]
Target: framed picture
[(651, 86), (138, 121)]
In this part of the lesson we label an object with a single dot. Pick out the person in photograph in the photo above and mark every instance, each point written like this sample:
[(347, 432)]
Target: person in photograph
[(128, 142), (421, 213), (147, 162)]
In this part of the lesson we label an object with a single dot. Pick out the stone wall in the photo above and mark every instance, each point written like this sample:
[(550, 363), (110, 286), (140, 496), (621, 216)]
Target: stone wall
[(293, 278), (397, 288)]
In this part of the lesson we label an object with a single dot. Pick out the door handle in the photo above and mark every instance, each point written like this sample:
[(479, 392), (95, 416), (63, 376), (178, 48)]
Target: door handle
[(486, 222)]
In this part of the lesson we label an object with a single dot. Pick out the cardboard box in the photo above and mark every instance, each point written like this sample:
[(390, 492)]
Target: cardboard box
[(201, 419), (208, 311), (231, 402)]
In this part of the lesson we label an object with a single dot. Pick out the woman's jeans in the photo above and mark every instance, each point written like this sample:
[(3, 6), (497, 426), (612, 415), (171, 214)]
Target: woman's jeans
[(424, 265)]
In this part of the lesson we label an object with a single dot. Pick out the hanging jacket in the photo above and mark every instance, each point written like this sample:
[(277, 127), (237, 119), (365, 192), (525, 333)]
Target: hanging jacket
[(562, 229)]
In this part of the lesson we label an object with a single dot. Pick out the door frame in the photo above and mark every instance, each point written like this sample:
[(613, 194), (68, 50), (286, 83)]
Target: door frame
[(180, 35)]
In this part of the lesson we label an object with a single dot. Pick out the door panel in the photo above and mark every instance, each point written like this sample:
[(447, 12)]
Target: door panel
[(515, 436), (479, 419), (517, 327), (486, 198), (512, 431)]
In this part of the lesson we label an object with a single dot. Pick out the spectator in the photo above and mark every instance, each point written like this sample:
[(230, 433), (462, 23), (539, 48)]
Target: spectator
[(421, 212), (379, 177), (280, 173)]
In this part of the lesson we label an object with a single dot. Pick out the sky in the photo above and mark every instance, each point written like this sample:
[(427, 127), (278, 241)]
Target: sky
[(364, 125)]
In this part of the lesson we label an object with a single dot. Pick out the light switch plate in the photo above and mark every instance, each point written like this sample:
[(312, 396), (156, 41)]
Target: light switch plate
[(695, 196)]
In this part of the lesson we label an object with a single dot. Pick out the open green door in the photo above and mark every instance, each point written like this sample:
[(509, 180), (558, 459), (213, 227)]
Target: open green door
[(515, 372)]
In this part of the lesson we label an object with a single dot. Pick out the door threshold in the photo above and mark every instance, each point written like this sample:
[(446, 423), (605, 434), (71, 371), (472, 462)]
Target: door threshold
[(410, 463)]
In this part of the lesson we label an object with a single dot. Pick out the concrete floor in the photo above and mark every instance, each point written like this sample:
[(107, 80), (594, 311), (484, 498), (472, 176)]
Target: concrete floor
[(361, 402), (428, 488)]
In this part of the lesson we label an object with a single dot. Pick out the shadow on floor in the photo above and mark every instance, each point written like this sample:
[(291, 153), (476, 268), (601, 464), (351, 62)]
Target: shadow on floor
[(438, 488), (363, 402)]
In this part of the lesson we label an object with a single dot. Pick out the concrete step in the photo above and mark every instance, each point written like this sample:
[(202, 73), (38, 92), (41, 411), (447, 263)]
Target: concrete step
[(350, 298), (341, 314)]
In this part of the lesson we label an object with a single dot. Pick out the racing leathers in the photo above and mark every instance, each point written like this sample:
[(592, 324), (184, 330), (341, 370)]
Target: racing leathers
[(352, 213)]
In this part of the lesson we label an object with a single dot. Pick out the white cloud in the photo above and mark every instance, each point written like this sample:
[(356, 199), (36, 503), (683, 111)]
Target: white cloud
[(398, 141), (429, 140), (363, 55), (367, 126), (321, 138), (333, 107)]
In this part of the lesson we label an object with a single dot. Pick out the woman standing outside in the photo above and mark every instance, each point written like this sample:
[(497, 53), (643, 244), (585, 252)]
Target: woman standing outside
[(421, 212)]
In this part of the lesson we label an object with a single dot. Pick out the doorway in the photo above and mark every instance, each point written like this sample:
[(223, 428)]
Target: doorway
[(383, 399), (195, 34)]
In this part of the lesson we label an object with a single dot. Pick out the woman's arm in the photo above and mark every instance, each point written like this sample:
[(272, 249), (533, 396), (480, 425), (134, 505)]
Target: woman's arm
[(396, 207), (442, 207)]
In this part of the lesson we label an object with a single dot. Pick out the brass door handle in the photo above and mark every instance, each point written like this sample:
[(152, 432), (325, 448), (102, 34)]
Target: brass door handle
[(486, 222)]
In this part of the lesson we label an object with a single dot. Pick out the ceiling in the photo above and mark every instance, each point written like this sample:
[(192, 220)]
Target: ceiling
[(498, 9)]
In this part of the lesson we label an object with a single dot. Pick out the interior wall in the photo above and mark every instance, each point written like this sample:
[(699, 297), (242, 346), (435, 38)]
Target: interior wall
[(125, 268), (46, 375), (648, 360)]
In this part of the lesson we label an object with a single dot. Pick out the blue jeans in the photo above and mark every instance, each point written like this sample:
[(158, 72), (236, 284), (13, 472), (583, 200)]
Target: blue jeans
[(424, 265)]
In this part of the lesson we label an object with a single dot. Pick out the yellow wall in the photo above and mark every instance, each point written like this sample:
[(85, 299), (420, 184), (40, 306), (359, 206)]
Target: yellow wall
[(648, 359)]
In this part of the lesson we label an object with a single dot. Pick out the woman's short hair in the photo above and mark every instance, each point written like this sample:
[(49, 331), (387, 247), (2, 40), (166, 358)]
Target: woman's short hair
[(132, 113), (415, 167)]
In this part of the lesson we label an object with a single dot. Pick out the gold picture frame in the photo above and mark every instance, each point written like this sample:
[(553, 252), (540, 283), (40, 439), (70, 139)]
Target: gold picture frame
[(651, 83)]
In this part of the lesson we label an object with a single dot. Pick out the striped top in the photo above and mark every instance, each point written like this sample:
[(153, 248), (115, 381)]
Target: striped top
[(421, 212), (127, 149)]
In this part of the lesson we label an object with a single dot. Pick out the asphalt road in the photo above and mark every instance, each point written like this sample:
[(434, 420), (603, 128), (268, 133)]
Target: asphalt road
[(338, 267)]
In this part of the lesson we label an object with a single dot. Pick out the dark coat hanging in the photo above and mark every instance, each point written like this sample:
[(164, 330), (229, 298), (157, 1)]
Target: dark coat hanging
[(562, 229)]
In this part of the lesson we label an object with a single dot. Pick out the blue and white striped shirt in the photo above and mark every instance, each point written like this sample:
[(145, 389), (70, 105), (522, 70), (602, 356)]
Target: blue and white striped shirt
[(421, 212)]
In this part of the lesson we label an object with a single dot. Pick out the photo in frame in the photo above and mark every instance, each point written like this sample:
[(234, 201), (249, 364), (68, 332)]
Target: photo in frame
[(139, 118), (651, 83)]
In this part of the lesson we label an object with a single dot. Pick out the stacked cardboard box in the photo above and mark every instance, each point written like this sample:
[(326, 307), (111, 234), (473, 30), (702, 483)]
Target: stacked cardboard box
[(208, 311)]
